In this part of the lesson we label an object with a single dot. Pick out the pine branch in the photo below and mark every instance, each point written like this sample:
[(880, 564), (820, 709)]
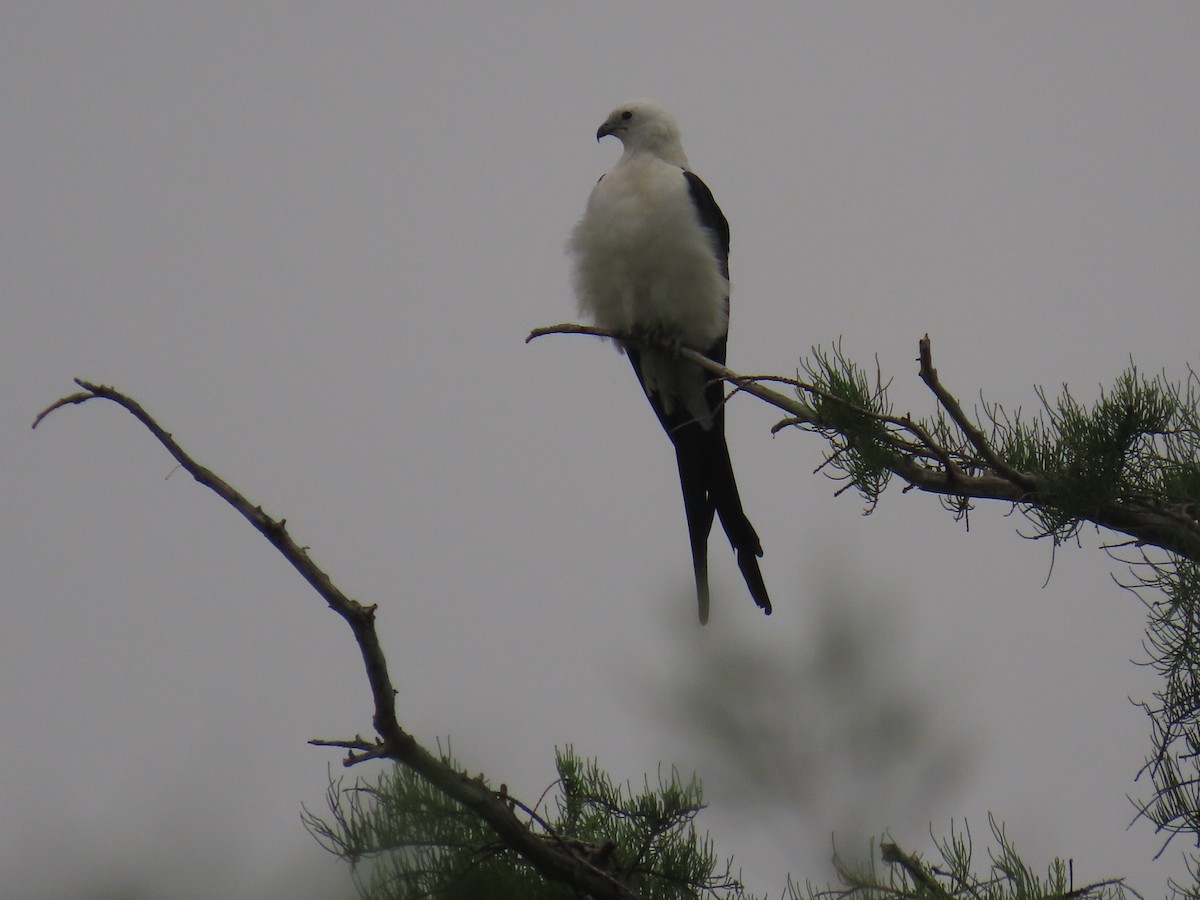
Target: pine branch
[(956, 876), (908, 450)]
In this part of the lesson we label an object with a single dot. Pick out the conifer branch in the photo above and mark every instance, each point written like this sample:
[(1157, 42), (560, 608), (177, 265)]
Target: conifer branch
[(904, 447)]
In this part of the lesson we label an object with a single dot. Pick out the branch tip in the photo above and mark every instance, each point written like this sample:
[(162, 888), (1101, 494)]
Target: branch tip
[(70, 399)]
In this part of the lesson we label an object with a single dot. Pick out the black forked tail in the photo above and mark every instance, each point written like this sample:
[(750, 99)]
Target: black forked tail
[(709, 488), (706, 477)]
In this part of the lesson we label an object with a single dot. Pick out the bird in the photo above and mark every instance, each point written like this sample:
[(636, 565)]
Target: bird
[(651, 261)]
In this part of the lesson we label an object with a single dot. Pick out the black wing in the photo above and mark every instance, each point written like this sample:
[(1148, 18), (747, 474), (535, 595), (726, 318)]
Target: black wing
[(711, 217)]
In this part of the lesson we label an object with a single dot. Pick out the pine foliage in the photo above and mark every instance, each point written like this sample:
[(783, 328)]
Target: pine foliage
[(955, 874), (407, 840), (1129, 463)]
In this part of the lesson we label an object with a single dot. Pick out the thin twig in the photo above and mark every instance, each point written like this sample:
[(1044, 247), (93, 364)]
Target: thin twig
[(929, 375)]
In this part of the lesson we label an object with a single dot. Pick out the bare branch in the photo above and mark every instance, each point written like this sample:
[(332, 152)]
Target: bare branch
[(921, 877), (929, 375), (746, 383), (61, 401), (553, 862)]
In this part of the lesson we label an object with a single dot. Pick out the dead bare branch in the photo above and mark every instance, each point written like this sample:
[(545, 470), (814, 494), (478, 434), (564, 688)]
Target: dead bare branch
[(554, 862)]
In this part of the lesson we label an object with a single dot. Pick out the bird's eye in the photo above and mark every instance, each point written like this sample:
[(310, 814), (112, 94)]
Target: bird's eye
[(626, 116)]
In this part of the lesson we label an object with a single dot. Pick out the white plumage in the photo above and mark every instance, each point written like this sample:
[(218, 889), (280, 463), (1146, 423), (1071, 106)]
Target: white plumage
[(645, 263)]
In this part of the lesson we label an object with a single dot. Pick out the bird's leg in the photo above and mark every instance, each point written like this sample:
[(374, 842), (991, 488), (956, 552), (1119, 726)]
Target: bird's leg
[(659, 337)]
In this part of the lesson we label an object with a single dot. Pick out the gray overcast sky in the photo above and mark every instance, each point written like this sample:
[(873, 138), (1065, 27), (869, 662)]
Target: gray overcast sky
[(311, 238)]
